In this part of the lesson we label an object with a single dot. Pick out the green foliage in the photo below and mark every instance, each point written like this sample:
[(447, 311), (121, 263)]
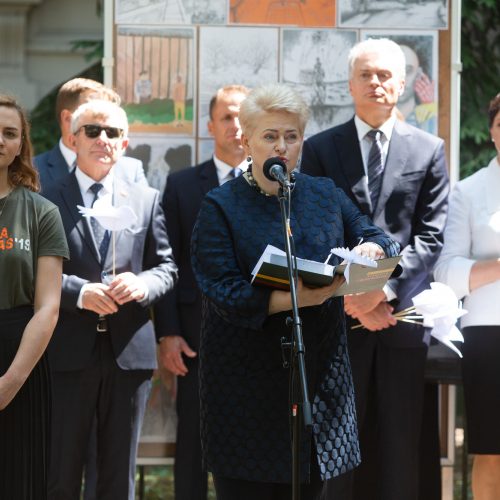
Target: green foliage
[(481, 67), (92, 49), (44, 127)]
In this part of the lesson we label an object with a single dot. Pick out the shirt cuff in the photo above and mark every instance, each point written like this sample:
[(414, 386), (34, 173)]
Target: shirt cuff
[(389, 292)]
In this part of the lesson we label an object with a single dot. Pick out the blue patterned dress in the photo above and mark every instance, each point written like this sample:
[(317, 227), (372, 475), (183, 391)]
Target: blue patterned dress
[(243, 385)]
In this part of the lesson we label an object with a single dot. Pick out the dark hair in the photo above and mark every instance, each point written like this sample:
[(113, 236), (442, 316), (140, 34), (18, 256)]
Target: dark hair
[(21, 171), (493, 109), (228, 89)]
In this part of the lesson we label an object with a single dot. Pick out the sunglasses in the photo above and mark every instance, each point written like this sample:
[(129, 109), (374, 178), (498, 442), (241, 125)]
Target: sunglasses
[(93, 131)]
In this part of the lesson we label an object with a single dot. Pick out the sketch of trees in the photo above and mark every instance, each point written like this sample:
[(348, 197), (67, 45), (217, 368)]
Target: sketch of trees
[(234, 55)]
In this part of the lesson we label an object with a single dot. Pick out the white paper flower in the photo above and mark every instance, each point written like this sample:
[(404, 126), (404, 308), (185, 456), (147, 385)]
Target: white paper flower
[(351, 257), (440, 311), (111, 218)]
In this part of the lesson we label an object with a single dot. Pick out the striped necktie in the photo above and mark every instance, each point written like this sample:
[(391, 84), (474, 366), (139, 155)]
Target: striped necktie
[(375, 166)]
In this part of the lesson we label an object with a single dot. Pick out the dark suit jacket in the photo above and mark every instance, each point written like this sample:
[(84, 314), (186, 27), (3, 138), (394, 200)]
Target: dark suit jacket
[(244, 390), (412, 204), (182, 199), (142, 249), (52, 167)]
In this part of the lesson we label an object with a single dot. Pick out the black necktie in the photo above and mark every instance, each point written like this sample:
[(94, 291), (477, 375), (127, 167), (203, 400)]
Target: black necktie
[(375, 167), (101, 236)]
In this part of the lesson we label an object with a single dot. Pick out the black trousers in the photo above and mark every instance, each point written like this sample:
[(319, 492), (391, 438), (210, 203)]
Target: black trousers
[(118, 399), (190, 474), (389, 388)]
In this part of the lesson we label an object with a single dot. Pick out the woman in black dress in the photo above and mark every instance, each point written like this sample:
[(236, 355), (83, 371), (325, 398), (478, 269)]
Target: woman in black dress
[(243, 386), (32, 246)]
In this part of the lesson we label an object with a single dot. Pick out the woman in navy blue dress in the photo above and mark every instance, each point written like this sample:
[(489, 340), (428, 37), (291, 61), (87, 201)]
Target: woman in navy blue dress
[(243, 386)]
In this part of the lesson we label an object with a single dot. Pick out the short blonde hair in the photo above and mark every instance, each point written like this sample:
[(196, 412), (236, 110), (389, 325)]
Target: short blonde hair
[(101, 109), (382, 46), (271, 98)]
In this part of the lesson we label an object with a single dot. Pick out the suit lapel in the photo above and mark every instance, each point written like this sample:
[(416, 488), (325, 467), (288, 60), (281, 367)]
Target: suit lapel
[(397, 158), (70, 193), (58, 168), (351, 163), (208, 177)]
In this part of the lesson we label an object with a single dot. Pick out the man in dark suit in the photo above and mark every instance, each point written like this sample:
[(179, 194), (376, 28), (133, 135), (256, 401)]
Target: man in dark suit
[(397, 174), (179, 329), (103, 350), (57, 162)]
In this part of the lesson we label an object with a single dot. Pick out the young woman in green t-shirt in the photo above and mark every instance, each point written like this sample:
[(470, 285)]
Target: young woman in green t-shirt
[(32, 246)]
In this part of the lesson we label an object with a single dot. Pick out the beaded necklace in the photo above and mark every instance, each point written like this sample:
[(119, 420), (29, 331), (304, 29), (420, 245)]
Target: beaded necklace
[(250, 179)]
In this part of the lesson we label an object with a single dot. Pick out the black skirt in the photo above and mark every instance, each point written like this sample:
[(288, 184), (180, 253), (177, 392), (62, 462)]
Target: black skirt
[(481, 382), (25, 423)]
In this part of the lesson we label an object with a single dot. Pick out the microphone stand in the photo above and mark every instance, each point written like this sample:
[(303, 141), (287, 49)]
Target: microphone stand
[(300, 407)]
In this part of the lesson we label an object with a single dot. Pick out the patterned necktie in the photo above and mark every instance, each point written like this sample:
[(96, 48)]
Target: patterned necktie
[(235, 172), (101, 236), (375, 167)]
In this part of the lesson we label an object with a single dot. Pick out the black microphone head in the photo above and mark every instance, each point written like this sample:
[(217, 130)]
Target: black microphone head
[(269, 163)]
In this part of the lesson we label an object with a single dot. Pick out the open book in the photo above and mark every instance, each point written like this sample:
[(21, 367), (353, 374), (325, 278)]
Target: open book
[(272, 270)]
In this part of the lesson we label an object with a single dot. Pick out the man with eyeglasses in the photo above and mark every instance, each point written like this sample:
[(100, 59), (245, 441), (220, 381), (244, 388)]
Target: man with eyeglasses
[(58, 161), (103, 350)]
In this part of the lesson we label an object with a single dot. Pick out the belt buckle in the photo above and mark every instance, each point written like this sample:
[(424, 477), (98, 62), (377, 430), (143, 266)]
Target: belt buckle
[(102, 325)]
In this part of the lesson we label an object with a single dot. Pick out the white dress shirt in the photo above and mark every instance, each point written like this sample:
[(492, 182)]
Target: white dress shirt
[(68, 154), (224, 171), (365, 144), (473, 233), (105, 197)]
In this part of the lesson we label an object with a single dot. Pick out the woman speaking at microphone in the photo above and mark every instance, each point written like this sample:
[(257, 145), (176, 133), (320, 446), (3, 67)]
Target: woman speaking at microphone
[(244, 388)]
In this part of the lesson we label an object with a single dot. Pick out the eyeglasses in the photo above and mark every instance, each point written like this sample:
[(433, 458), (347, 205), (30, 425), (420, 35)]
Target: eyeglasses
[(93, 131)]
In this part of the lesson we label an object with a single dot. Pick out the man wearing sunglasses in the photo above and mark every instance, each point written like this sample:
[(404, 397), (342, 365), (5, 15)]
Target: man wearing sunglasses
[(103, 350), (58, 161)]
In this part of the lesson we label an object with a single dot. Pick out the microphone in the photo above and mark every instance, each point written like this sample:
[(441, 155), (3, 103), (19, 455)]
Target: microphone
[(275, 170)]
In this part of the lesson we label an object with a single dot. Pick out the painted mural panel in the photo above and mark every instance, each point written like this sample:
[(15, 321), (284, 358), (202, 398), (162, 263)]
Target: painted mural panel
[(314, 62), (155, 78), (283, 12)]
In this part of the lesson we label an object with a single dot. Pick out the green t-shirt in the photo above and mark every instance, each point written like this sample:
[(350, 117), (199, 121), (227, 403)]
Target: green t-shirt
[(30, 227)]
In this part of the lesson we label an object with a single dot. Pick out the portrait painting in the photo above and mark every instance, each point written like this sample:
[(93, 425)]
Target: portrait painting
[(418, 104), (154, 76)]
